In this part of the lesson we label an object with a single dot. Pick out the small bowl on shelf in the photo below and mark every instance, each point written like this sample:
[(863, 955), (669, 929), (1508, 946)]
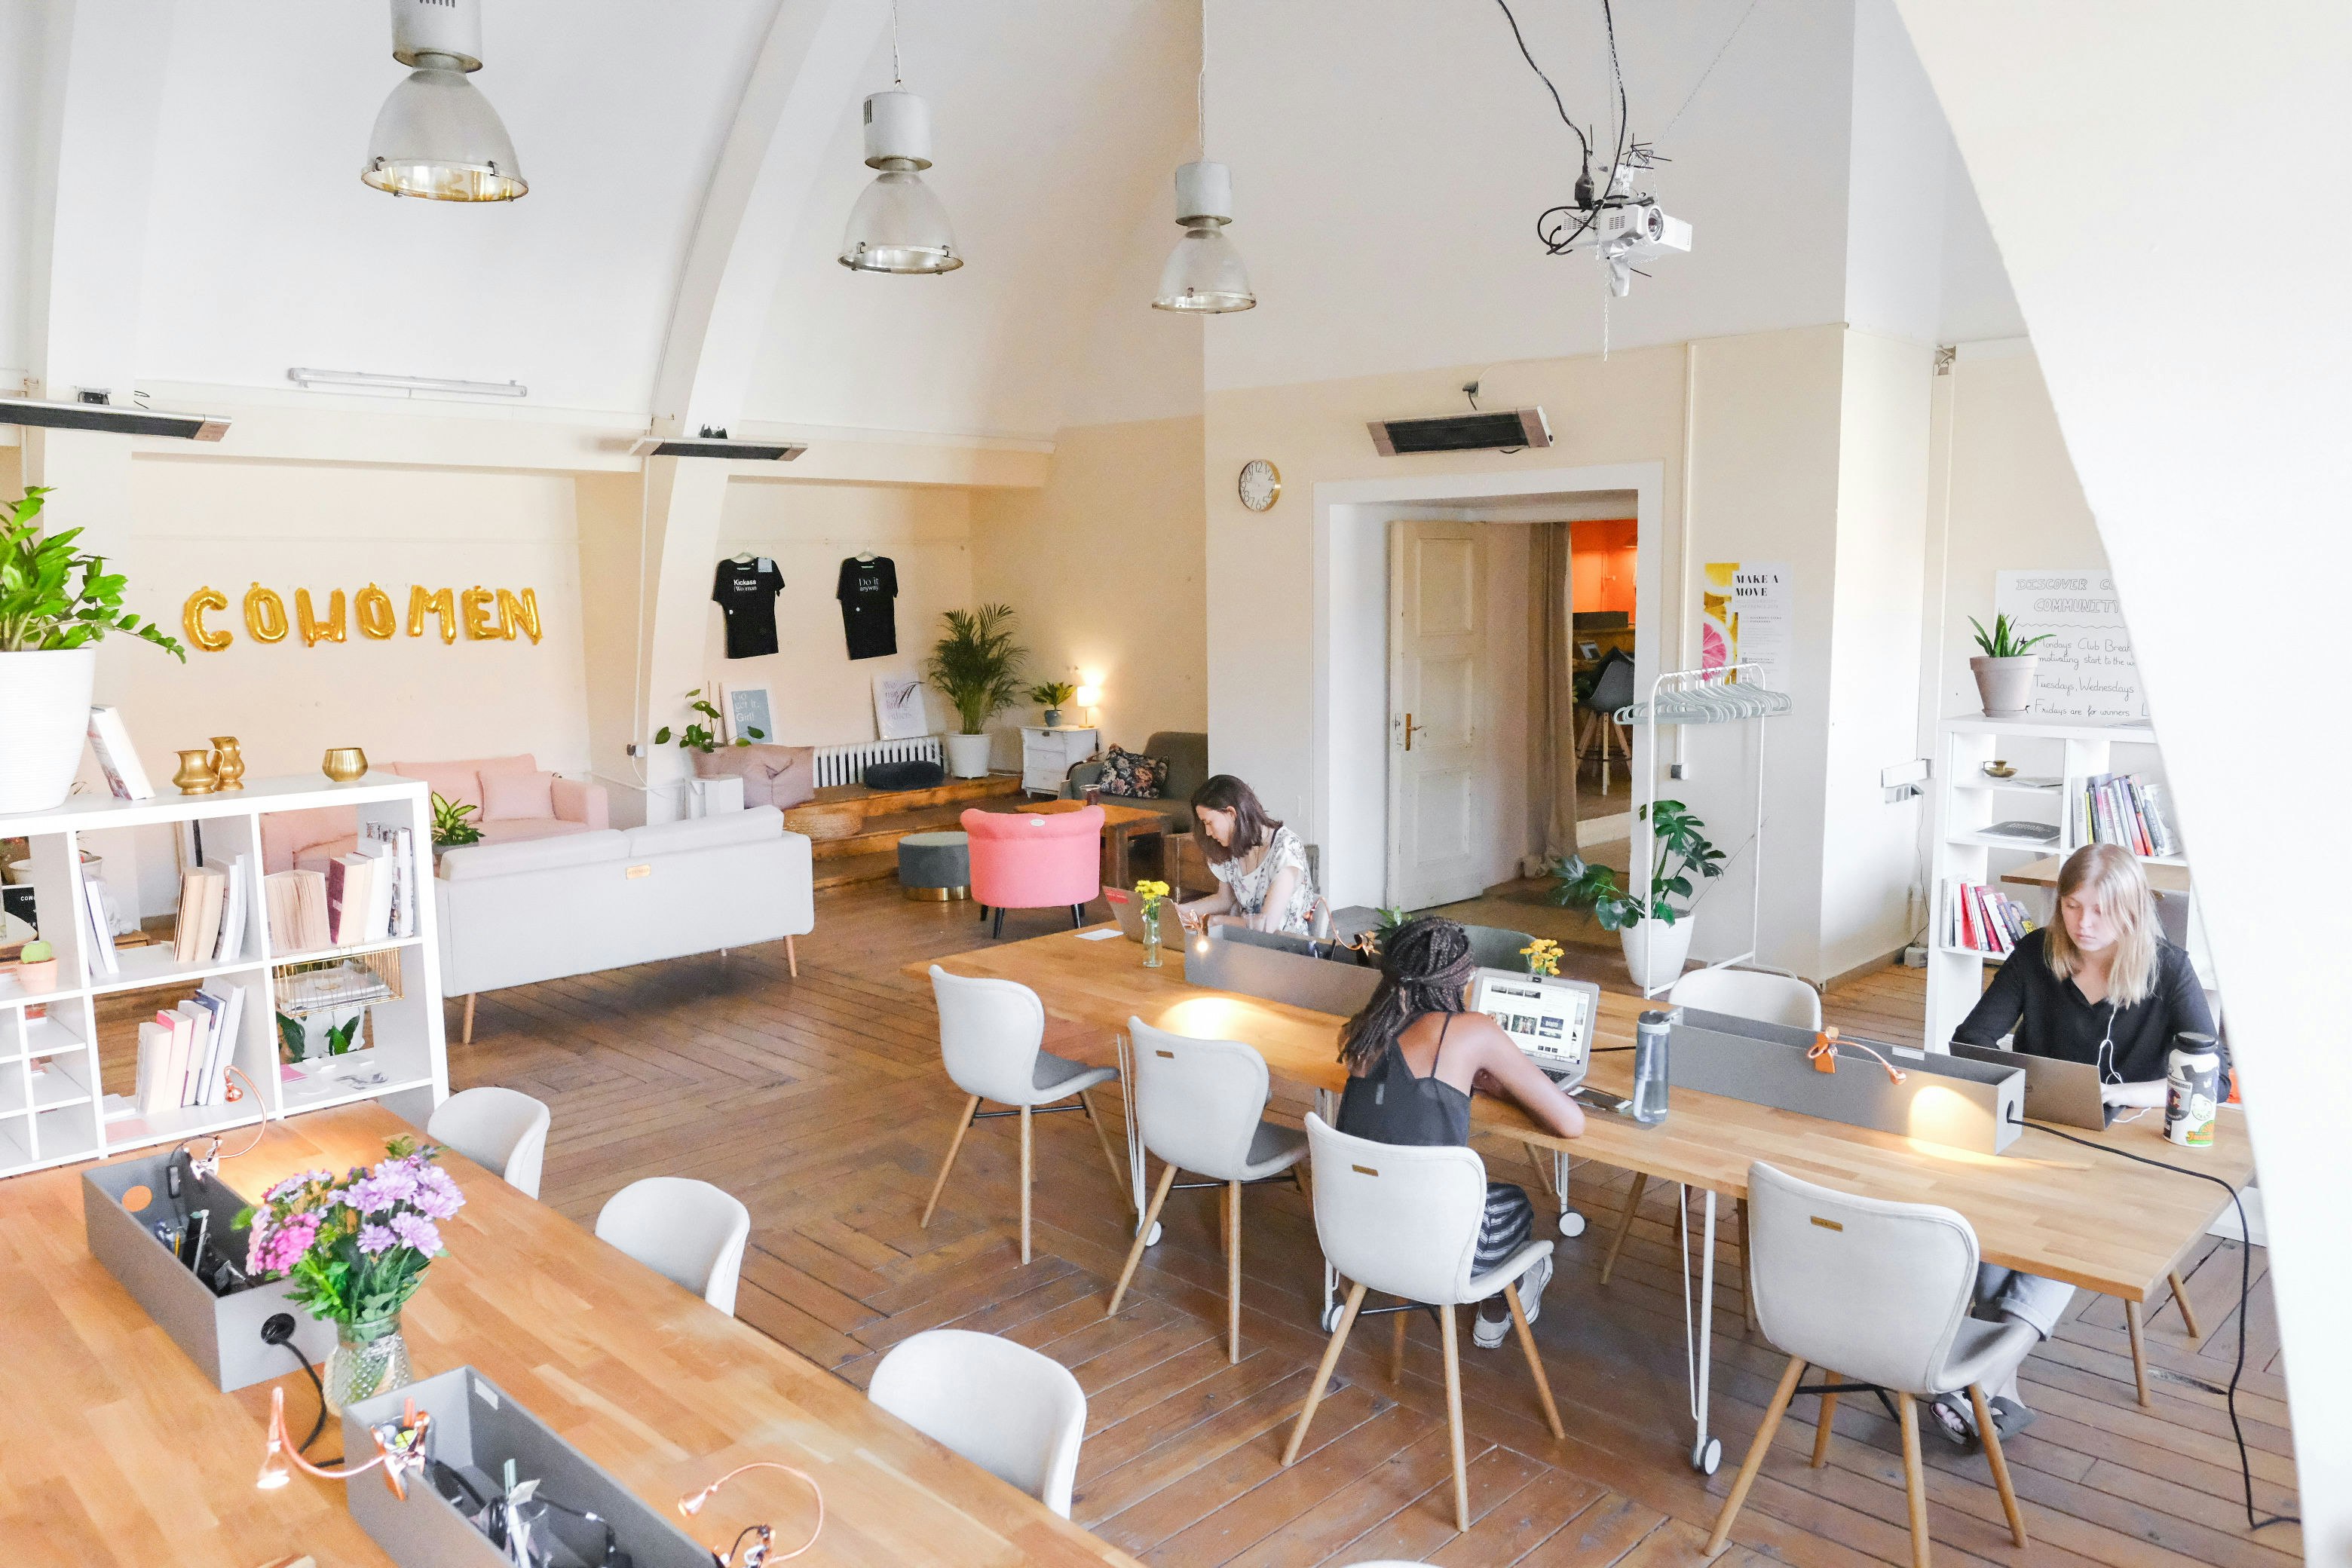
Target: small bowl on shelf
[(2000, 770)]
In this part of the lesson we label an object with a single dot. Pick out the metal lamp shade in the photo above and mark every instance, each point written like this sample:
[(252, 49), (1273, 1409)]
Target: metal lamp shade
[(437, 137), (1204, 273), (898, 225)]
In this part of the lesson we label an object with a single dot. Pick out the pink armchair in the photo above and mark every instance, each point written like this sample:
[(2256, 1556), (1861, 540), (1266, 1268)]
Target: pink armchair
[(1025, 862)]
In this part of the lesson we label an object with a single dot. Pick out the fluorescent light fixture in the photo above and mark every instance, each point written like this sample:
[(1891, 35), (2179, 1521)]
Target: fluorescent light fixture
[(899, 224), (437, 136), (112, 419), (406, 385), (716, 447)]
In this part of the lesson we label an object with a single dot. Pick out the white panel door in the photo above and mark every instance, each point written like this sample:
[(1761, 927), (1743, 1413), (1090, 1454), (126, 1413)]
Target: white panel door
[(1437, 647)]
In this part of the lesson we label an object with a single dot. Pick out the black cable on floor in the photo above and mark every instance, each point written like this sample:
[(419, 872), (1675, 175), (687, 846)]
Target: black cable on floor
[(321, 1424)]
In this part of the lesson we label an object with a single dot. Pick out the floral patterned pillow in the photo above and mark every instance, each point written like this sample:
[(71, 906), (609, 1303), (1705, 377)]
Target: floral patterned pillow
[(1132, 774)]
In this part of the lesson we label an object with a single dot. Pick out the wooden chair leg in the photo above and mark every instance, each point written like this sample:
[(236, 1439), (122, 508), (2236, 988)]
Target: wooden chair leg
[(467, 1037), (1790, 1377), (1624, 1224), (955, 1147), (1540, 1158), (1234, 1273), (1535, 1362), (1102, 1136), (1026, 1159), (1822, 1423), (1914, 1477), (2140, 1354), (2187, 1315), (1142, 1235), (1747, 1306), (1323, 1374), (1224, 1216), (1451, 1332), (2000, 1463), (791, 957), (1396, 1349)]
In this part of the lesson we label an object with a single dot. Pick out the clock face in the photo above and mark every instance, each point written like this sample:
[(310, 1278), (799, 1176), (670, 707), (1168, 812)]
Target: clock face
[(1260, 484)]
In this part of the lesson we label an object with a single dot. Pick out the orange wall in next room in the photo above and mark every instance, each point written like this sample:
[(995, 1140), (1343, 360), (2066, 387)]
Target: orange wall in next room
[(1601, 560)]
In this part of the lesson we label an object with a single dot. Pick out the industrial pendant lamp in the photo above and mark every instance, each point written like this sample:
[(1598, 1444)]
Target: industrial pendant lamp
[(437, 136), (1204, 272), (898, 225)]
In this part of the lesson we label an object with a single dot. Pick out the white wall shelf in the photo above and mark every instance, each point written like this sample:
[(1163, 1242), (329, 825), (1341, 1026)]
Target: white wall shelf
[(55, 1106)]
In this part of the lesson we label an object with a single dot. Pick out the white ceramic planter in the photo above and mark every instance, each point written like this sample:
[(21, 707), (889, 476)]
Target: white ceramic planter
[(44, 718), (968, 755), (1655, 951), (2006, 685)]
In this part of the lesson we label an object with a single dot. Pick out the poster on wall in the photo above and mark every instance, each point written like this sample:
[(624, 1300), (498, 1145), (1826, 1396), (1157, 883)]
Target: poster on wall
[(898, 708), (2087, 671), (749, 714), (1747, 617)]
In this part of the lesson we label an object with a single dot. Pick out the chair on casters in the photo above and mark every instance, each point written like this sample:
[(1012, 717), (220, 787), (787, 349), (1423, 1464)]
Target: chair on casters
[(1744, 994), (503, 1129), (992, 1034), (1875, 1296), (1016, 1414), (689, 1231), (1200, 1105), (1404, 1221)]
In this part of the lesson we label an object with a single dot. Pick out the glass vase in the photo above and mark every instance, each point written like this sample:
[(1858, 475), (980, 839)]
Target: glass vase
[(1152, 938), (369, 1358)]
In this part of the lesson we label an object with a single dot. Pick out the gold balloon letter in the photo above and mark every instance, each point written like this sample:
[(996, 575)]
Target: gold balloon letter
[(265, 615), (522, 612), (372, 608), (440, 604), (192, 616), (479, 627), (314, 630)]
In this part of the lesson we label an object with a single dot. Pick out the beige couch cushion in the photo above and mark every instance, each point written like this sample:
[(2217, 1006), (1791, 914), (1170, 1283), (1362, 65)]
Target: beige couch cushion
[(744, 827), (509, 794)]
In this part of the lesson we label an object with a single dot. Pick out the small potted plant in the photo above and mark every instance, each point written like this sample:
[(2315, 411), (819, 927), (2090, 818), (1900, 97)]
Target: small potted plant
[(1050, 696), (36, 966), (2005, 670), (450, 828), (976, 665), (1654, 934)]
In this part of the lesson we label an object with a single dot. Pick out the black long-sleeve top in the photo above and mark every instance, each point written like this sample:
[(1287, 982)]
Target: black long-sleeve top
[(2050, 1017)]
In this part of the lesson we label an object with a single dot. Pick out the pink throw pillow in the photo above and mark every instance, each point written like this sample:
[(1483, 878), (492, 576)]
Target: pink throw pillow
[(509, 795)]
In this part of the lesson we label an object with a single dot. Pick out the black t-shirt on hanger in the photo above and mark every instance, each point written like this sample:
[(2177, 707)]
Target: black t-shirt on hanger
[(868, 617), (745, 592)]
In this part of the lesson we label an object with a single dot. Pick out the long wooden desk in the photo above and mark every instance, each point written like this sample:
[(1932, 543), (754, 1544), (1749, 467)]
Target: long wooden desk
[(2047, 1206), (115, 1449)]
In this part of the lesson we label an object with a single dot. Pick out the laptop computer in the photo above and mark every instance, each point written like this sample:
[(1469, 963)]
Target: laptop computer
[(1549, 1018), (1128, 911), (2061, 1092)]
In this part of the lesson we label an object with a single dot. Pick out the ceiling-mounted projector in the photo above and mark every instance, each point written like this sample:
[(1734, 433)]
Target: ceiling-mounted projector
[(93, 411), (1475, 432), (716, 444)]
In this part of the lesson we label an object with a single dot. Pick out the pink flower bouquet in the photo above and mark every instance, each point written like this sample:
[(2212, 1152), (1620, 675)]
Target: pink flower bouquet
[(355, 1246)]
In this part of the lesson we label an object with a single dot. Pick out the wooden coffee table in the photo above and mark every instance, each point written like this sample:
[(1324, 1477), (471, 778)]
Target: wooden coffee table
[(1121, 826)]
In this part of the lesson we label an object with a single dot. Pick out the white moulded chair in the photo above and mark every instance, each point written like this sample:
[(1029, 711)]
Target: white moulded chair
[(503, 1129), (992, 1034), (1404, 1221), (1016, 1414), (1875, 1295), (1200, 1105), (685, 1230)]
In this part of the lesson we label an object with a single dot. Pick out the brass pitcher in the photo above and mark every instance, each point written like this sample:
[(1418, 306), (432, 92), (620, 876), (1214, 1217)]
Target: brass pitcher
[(228, 762), (195, 775), (345, 764)]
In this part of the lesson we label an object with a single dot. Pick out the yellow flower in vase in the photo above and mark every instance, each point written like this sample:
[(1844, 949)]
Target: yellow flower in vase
[(1542, 955)]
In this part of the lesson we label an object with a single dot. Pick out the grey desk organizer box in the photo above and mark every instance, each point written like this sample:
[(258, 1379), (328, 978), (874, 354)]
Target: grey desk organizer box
[(1942, 1099), (222, 1334), (1278, 968), (475, 1428)]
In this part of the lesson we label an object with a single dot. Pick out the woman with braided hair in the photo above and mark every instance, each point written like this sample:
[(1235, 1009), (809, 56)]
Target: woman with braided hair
[(1415, 1054)]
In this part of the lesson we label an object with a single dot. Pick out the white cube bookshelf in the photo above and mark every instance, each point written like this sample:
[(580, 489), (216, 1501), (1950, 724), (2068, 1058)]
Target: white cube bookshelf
[(53, 1098), (1968, 801)]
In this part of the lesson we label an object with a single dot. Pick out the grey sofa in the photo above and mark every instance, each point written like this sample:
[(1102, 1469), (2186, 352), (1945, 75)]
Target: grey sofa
[(1186, 753)]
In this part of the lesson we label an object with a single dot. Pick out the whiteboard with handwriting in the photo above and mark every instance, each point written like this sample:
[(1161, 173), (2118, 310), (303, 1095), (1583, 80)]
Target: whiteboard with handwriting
[(2087, 671)]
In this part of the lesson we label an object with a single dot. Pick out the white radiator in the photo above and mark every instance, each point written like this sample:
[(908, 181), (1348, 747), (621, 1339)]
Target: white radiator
[(847, 764)]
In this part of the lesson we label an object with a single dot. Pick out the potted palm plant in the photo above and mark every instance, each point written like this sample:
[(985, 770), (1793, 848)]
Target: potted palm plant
[(1050, 696), (976, 665), (2005, 670), (1653, 934), (55, 604)]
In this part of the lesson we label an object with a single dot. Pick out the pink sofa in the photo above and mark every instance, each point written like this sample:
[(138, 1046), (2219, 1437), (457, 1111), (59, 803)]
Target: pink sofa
[(1022, 860), (513, 800)]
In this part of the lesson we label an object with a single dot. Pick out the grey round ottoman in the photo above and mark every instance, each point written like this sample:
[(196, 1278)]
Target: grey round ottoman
[(935, 865)]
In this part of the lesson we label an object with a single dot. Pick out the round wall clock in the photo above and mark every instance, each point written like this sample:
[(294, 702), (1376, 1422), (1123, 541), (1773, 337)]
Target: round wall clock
[(1261, 484)]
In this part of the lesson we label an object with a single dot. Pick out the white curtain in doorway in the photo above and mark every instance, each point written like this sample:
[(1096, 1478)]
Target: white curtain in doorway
[(1551, 696)]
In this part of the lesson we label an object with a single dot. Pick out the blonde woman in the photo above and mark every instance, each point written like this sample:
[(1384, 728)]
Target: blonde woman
[(2098, 984)]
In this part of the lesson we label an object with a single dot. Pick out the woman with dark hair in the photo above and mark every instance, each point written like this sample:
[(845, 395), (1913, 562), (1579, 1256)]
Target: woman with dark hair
[(1415, 1054), (1259, 864)]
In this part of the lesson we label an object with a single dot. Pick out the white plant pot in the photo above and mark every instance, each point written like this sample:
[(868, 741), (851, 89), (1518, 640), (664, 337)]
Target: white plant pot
[(1655, 951), (44, 718), (968, 755), (2006, 685)]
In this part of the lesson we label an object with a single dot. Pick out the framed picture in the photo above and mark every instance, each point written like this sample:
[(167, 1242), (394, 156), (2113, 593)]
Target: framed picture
[(1588, 650), (898, 713), (750, 715)]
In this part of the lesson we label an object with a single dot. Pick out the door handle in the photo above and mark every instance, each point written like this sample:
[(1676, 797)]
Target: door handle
[(1409, 728)]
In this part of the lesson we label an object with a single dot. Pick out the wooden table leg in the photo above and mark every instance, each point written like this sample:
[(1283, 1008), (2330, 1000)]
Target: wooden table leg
[(2187, 1314), (2140, 1354)]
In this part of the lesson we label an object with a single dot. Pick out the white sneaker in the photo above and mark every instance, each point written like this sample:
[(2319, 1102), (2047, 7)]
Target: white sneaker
[(1489, 1332)]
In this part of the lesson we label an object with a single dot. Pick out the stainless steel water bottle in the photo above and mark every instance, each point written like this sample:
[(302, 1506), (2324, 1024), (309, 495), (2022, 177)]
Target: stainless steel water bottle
[(1650, 1077)]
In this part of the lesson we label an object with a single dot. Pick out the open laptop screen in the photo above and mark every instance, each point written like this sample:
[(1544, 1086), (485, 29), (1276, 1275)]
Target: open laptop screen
[(1549, 1018)]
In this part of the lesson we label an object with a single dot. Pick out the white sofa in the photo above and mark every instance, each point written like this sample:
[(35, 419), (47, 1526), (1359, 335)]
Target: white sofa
[(543, 908)]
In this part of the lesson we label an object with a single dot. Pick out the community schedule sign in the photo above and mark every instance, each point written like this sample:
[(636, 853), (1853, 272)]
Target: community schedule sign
[(2086, 671)]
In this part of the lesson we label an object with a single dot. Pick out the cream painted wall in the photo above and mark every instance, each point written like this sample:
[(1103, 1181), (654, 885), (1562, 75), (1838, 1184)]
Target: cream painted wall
[(1106, 565)]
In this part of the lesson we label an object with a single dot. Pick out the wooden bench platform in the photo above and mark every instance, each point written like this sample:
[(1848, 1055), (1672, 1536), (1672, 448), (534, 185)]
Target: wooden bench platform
[(870, 853)]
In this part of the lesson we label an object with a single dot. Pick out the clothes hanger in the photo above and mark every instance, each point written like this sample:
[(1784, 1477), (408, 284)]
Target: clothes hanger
[(865, 558), (744, 558)]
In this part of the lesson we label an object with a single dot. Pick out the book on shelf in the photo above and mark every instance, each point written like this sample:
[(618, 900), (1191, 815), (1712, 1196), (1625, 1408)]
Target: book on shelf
[(2125, 809), (394, 848), (230, 948), (295, 903), (353, 906), (203, 900), (98, 923), (2024, 832), (117, 758), (184, 1051), (1981, 918)]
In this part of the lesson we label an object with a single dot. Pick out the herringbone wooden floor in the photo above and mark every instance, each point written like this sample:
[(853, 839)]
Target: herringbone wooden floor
[(821, 1104)]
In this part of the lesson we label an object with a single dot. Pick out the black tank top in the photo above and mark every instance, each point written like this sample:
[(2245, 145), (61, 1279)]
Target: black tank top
[(1390, 1105)]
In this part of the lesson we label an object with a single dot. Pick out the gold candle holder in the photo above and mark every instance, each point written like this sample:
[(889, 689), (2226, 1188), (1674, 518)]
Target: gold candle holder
[(195, 775), (345, 764), (228, 762)]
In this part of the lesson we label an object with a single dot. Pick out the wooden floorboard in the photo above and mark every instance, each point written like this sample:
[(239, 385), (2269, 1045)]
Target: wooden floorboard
[(820, 1103)]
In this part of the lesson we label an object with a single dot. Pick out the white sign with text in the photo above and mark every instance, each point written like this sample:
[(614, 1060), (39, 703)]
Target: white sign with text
[(2086, 671)]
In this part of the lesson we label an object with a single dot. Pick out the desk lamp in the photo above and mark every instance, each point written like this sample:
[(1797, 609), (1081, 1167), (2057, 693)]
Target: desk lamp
[(405, 1452), (762, 1550), (206, 1166)]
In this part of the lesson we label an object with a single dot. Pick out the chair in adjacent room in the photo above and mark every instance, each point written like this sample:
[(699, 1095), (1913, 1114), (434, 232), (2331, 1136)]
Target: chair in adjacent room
[(1015, 1413), (1404, 1221), (503, 1129), (1200, 1105), (686, 1231), (1613, 688), (1023, 860), (992, 1038), (1874, 1296)]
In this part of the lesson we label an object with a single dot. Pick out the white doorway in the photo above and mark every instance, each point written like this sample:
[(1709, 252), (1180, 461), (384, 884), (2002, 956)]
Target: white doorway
[(1441, 810)]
